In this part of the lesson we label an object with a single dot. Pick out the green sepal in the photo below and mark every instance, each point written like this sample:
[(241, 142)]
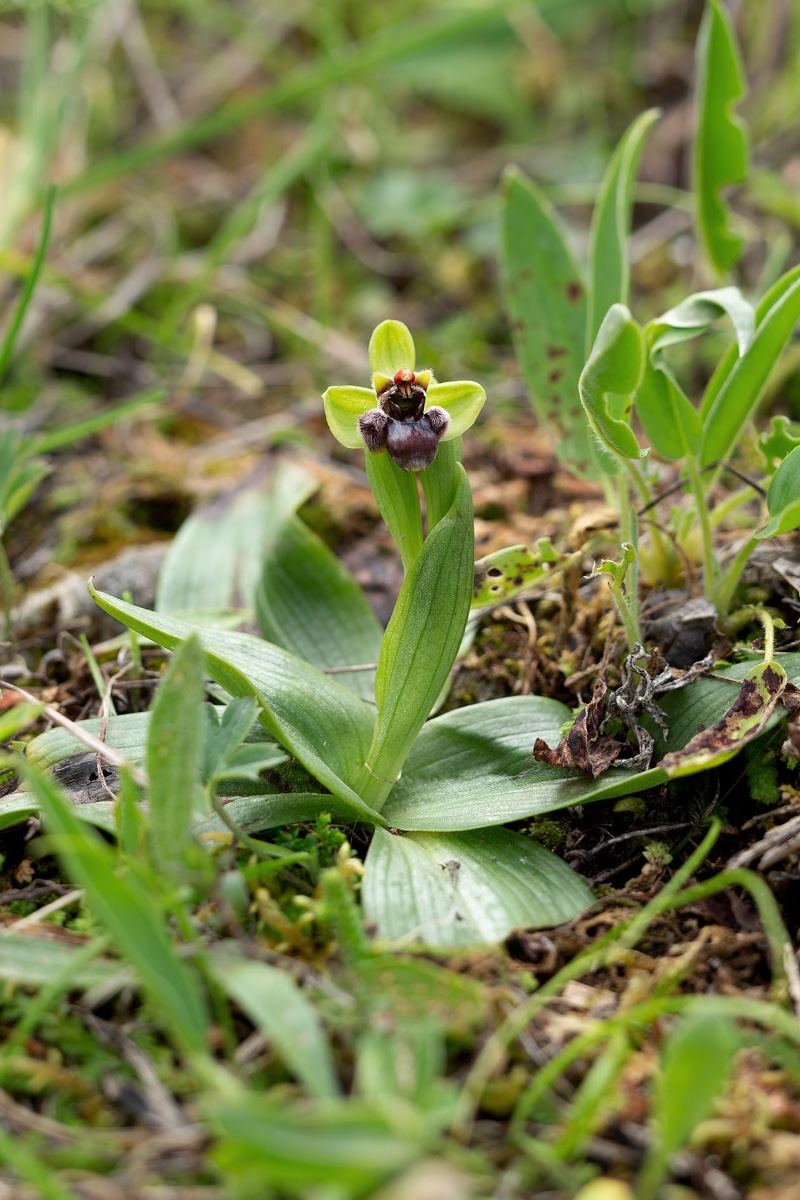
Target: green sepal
[(391, 348), (463, 400), (343, 406)]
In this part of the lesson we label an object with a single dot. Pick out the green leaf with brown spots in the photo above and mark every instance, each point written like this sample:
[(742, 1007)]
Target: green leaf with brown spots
[(506, 573), (546, 302), (762, 688)]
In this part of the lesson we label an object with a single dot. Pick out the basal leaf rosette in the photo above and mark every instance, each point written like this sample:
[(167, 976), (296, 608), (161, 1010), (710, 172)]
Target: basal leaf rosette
[(405, 412)]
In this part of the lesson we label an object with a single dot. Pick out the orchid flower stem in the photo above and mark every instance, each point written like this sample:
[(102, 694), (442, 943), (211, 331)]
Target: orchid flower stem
[(710, 568), (661, 550), (439, 482), (769, 629), (723, 596), (626, 593), (397, 496)]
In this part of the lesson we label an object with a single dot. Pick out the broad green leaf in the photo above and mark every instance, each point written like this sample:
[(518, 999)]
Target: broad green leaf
[(310, 604), (473, 767), (174, 753), (343, 406), (36, 961), (783, 497), (614, 369), (695, 1064), (421, 641), (302, 1149), (737, 397), (506, 573), (16, 808), (278, 1007), (546, 300), (762, 688), (397, 497), (125, 732), (324, 726), (466, 889), (720, 148), (215, 559), (391, 348), (123, 905), (694, 315), (671, 424), (731, 355), (609, 270)]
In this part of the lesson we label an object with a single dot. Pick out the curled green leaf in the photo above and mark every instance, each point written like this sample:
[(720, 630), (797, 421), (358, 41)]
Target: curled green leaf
[(734, 399), (777, 442), (610, 378), (694, 315), (783, 498)]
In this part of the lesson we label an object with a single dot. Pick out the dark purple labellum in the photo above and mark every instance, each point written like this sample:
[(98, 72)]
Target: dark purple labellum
[(412, 445)]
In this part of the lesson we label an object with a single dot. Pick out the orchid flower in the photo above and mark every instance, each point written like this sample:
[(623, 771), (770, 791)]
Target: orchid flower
[(406, 412)]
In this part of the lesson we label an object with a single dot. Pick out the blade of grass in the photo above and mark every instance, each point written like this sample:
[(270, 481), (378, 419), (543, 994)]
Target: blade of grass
[(174, 754), (9, 341), (375, 53), (129, 913)]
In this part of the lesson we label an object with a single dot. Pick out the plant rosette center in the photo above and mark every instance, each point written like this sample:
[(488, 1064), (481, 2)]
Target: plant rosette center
[(406, 412)]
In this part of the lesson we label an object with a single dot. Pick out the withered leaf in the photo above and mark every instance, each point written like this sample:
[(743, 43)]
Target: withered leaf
[(584, 747), (791, 700), (762, 688)]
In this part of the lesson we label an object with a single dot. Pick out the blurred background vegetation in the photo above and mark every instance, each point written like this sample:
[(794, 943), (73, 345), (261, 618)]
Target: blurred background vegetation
[(245, 189)]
